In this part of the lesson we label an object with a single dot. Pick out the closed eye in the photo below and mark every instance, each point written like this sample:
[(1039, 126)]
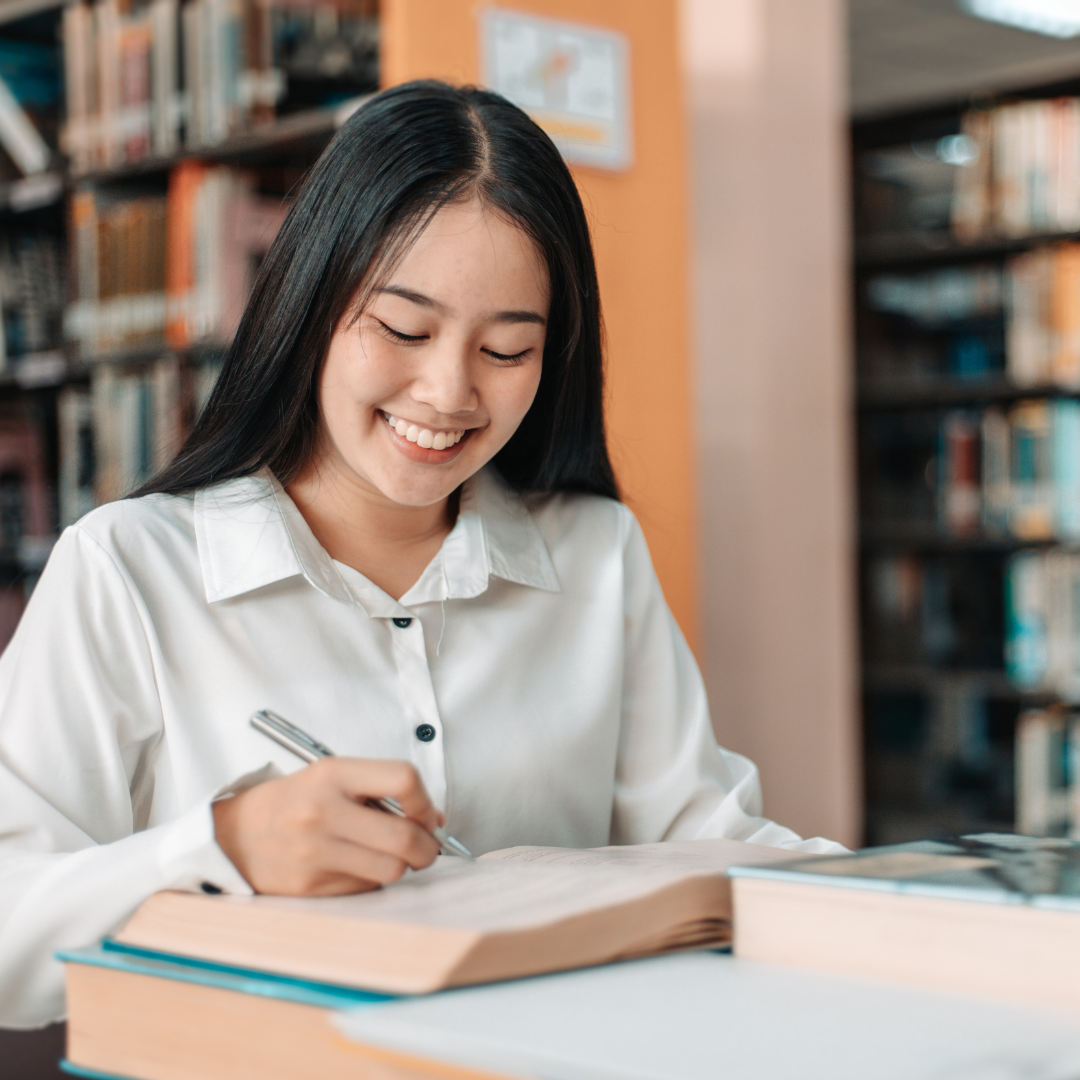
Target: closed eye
[(397, 335), (515, 358)]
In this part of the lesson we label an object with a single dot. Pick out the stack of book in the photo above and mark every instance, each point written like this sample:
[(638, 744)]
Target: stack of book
[(993, 915), (194, 984), (211, 987)]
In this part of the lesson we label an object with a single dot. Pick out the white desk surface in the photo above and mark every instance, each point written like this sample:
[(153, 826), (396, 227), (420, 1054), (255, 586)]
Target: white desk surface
[(708, 1016)]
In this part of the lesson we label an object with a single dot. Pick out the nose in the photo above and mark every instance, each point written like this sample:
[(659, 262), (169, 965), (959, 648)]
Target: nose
[(445, 380)]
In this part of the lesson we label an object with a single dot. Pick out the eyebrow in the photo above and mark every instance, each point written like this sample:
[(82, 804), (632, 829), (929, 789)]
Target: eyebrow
[(523, 316)]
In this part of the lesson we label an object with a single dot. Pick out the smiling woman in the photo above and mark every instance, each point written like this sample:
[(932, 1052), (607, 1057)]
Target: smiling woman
[(395, 524), (420, 388)]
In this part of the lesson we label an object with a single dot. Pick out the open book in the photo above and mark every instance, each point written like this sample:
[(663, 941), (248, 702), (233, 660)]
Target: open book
[(520, 911)]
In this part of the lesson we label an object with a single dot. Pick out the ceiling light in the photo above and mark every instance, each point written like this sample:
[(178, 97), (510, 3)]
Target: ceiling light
[(1055, 18)]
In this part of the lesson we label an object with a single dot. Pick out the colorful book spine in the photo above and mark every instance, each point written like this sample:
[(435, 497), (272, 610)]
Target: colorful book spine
[(1026, 645)]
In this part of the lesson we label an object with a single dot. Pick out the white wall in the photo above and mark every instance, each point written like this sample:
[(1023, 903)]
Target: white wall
[(767, 111)]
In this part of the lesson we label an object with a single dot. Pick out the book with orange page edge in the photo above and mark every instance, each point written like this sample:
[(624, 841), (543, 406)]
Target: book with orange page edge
[(993, 914)]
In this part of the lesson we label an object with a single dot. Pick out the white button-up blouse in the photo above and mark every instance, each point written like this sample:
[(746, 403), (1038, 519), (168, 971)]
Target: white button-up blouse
[(533, 675)]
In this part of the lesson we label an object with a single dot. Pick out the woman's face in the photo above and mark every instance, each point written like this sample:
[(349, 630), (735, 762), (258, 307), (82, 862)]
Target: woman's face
[(435, 376)]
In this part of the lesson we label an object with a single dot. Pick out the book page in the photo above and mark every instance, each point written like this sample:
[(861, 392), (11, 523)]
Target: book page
[(490, 896), (687, 856)]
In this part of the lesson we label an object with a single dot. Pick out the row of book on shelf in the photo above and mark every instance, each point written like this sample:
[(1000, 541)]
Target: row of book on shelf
[(113, 435), (1011, 471), (942, 612), (176, 267), (144, 80), (1036, 294), (1019, 170)]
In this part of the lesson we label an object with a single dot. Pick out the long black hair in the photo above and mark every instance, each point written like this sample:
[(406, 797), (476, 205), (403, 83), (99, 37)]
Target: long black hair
[(403, 155)]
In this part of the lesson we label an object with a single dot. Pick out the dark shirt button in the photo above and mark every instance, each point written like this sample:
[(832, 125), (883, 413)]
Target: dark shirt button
[(210, 887), (402, 623), (425, 733)]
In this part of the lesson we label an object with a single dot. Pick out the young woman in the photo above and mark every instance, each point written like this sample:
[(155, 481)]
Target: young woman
[(395, 524)]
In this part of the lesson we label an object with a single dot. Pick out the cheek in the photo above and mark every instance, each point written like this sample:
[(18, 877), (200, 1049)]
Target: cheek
[(357, 373), (520, 392)]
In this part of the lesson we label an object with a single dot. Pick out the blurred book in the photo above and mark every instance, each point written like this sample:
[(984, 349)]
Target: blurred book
[(148, 268), (75, 436), (1026, 621), (141, 77), (32, 294), (137, 427), (959, 488), (1023, 171), (1047, 794), (218, 229)]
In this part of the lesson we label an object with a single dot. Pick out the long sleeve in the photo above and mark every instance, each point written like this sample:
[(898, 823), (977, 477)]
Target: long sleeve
[(673, 782), (80, 726)]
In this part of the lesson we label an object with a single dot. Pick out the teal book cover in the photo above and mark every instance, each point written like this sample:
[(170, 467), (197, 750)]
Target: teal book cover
[(113, 955), (992, 867)]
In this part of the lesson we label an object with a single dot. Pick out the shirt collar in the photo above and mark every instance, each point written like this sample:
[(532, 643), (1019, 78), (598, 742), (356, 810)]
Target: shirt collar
[(250, 534)]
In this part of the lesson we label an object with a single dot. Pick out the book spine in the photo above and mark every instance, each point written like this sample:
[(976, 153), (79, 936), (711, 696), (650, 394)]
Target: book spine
[(75, 430), (959, 509), (1065, 439), (971, 214), (1026, 659), (1042, 789), (164, 17)]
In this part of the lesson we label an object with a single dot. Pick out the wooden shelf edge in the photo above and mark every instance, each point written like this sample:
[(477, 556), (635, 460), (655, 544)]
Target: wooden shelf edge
[(290, 128), (939, 246), (993, 683), (874, 394)]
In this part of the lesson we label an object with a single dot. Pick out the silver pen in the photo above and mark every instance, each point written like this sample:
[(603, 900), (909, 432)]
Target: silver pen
[(308, 749)]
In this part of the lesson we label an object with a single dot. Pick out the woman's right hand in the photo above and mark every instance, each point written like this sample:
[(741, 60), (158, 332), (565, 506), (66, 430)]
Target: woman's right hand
[(310, 834)]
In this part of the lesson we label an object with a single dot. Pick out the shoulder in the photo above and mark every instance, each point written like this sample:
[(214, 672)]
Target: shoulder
[(592, 540), (130, 523), (573, 519), (133, 537)]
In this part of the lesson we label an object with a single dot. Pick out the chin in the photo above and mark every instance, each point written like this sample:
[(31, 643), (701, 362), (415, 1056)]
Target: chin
[(421, 494)]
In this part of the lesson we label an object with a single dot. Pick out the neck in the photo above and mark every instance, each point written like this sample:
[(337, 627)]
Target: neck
[(390, 544)]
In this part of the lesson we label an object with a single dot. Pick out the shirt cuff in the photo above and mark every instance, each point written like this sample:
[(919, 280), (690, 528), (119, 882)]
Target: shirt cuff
[(190, 858)]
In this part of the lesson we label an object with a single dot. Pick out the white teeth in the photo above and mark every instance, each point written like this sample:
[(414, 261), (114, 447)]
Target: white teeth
[(429, 440)]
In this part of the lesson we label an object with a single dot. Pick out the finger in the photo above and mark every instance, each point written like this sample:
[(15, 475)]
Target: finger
[(363, 778), (401, 838), (363, 864)]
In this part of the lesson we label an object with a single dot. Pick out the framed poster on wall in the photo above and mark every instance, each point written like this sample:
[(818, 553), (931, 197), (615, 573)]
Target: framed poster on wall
[(572, 79)]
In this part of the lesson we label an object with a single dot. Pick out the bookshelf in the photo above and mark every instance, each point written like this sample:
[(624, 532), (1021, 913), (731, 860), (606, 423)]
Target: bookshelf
[(151, 114), (966, 394)]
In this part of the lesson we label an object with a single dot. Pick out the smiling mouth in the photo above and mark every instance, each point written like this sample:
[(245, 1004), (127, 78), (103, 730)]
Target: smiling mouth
[(423, 437)]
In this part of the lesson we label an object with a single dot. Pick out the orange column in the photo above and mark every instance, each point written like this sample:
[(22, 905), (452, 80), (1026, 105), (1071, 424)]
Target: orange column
[(638, 220)]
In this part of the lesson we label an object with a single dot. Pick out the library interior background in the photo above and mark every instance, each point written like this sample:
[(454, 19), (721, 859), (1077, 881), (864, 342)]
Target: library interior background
[(839, 249)]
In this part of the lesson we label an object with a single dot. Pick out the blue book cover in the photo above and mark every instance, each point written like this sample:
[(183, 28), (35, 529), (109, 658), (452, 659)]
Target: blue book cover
[(111, 954), (999, 868), (118, 957)]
